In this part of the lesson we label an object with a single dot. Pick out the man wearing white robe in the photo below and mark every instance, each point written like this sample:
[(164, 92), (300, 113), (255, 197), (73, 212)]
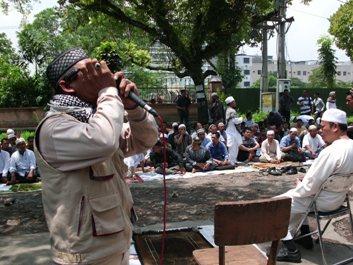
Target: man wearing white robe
[(337, 158), (234, 138)]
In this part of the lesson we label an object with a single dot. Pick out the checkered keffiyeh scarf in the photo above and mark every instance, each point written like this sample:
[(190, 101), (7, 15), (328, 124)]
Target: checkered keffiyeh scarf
[(71, 105)]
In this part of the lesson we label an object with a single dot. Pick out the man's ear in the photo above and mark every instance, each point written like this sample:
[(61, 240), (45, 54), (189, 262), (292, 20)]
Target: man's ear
[(65, 87)]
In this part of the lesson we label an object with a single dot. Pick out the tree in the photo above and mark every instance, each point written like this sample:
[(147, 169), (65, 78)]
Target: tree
[(317, 79), (327, 61), (227, 69), (194, 31), (272, 81), (341, 27)]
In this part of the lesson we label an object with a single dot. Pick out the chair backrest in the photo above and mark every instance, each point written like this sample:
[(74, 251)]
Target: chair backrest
[(338, 183), (247, 222)]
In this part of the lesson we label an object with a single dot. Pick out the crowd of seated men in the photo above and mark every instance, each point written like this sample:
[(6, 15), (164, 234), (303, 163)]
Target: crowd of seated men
[(204, 147), (17, 160)]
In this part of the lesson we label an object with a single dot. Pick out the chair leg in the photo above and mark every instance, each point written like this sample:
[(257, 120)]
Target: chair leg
[(221, 255), (350, 214), (273, 253), (320, 235)]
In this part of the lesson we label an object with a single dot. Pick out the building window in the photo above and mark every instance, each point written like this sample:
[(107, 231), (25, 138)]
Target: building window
[(246, 72), (246, 84), (304, 72), (298, 73), (246, 60), (344, 73), (339, 73), (259, 72)]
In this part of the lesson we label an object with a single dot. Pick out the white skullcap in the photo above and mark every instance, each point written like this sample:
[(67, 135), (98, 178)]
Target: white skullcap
[(270, 132), (332, 93), (293, 130), (20, 140), (220, 124), (10, 131), (229, 100), (182, 126), (312, 127), (200, 131), (334, 115), (174, 124), (214, 94), (9, 136)]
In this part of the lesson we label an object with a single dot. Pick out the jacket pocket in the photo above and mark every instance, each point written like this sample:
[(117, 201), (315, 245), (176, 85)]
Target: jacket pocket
[(107, 215)]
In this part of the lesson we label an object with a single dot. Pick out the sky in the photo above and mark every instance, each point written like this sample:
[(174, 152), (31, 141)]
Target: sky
[(310, 23)]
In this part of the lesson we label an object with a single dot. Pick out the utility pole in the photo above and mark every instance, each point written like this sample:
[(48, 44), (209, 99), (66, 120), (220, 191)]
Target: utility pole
[(281, 40), (264, 71)]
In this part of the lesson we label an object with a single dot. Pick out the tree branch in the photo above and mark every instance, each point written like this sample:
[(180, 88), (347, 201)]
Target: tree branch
[(109, 8)]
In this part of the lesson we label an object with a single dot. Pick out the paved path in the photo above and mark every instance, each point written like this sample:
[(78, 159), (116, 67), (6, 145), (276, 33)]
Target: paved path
[(33, 249)]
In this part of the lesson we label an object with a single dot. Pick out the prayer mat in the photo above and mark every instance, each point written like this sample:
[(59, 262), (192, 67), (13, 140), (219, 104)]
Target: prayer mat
[(179, 246)]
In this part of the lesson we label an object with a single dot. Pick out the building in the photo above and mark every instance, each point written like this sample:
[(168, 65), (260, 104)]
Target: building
[(251, 65)]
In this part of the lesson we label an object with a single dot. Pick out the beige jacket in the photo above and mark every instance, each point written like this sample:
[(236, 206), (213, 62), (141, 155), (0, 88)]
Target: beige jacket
[(86, 201)]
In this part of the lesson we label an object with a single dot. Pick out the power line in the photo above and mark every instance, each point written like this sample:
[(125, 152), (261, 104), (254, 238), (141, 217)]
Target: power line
[(310, 14)]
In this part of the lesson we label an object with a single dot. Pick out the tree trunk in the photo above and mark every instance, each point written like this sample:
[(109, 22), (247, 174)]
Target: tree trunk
[(201, 100)]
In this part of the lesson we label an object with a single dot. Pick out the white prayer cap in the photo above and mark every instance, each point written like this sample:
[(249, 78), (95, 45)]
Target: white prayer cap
[(182, 126), (200, 131), (332, 93), (269, 132), (335, 115), (220, 124), (312, 127), (293, 129), (9, 136), (20, 140), (214, 94), (10, 131), (229, 100), (174, 124)]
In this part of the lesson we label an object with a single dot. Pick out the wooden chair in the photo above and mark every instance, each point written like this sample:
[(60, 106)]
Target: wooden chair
[(239, 224)]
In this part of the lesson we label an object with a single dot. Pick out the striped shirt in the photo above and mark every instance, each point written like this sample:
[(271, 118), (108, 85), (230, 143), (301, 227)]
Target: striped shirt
[(305, 104)]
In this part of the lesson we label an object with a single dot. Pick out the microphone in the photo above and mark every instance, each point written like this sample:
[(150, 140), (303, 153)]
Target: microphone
[(135, 98)]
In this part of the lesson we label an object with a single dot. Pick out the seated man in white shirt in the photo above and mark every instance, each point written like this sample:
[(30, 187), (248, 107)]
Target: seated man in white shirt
[(336, 158), (312, 143), (22, 164), (4, 163), (270, 151)]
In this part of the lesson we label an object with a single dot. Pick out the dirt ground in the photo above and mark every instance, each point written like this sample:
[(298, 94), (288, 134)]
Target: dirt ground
[(190, 199)]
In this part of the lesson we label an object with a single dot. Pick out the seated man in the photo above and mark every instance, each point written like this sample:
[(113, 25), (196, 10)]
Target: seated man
[(336, 158), (247, 149), (218, 150), (22, 164), (213, 129), (222, 132), (9, 144), (173, 133), (299, 125), (312, 143), (4, 163), (202, 137), (182, 140), (290, 147), (173, 160), (197, 158), (270, 151)]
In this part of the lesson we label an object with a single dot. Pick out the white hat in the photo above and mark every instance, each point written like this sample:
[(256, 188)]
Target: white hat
[(182, 126), (335, 115), (174, 124), (269, 132), (332, 93), (293, 129), (9, 136), (10, 131), (20, 140), (312, 127), (200, 131), (229, 100), (214, 94)]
